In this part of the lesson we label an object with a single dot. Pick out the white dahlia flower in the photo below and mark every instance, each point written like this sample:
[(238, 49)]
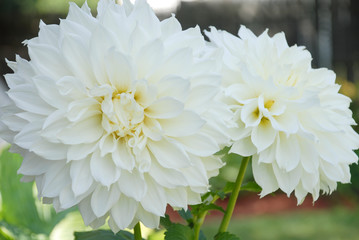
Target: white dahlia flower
[(115, 114), (290, 117)]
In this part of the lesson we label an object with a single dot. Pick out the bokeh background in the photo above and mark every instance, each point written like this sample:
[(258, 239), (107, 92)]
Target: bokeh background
[(330, 31)]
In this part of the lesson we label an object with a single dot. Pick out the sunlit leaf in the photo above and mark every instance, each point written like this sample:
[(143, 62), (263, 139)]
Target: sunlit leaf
[(179, 232)]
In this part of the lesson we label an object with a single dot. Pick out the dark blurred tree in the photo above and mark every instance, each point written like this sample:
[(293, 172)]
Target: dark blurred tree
[(11, 6)]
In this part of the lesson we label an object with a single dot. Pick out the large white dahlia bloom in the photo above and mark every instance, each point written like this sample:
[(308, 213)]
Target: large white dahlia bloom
[(290, 117), (115, 114)]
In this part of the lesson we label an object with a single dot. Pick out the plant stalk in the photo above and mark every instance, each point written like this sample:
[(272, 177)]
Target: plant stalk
[(137, 232), (233, 198)]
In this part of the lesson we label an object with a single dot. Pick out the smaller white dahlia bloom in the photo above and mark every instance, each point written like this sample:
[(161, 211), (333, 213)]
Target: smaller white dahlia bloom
[(289, 116), (116, 114)]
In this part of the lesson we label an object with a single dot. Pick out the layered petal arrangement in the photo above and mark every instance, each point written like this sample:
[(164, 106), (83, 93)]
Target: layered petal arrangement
[(289, 116), (116, 114)]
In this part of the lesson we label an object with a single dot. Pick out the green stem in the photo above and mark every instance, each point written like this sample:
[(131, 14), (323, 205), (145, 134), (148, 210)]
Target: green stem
[(137, 231), (199, 221), (233, 199)]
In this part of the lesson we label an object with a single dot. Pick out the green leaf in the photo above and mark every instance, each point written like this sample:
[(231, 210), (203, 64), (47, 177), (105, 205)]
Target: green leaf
[(103, 235), (22, 214), (226, 236), (166, 221), (229, 187), (179, 232), (251, 187), (211, 207), (17, 197), (186, 215)]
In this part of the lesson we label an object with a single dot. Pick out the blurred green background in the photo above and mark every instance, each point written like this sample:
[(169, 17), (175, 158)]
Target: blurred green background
[(330, 31)]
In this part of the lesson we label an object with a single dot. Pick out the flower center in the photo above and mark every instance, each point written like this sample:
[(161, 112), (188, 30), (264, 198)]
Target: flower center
[(269, 104), (126, 115)]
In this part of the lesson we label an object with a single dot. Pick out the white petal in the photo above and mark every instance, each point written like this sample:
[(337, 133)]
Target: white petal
[(264, 176), (26, 137), (78, 59), (81, 179), (201, 97), (82, 109), (26, 99), (86, 131), (48, 91), (288, 152), (169, 26), (185, 124), (103, 199), (177, 197), (166, 107), (263, 135), (107, 144), (48, 60), (122, 156), (55, 179), (50, 151), (166, 177), (244, 147), (34, 165), (149, 219), (148, 58), (308, 156), (119, 71), (86, 210), (169, 154), (80, 151), (199, 144), (174, 86), (132, 184), (155, 199), (287, 181), (152, 129), (100, 43), (123, 211), (103, 169), (250, 113)]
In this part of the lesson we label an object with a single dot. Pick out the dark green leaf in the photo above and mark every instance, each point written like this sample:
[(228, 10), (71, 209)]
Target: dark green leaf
[(166, 221), (103, 235), (251, 187), (179, 232), (226, 236), (211, 207), (186, 215)]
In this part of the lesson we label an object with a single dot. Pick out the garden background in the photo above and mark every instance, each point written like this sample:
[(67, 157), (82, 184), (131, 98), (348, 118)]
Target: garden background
[(330, 31)]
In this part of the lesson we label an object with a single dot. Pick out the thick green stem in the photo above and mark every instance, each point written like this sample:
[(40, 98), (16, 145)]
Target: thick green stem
[(233, 199), (137, 232), (198, 224)]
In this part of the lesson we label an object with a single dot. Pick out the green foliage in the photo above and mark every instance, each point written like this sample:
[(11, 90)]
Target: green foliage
[(330, 224), (251, 187), (103, 235), (166, 221), (19, 215), (186, 215), (179, 232), (226, 236)]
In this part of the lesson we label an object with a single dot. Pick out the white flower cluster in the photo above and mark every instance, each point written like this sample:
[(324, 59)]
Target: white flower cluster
[(120, 114), (116, 114), (290, 117)]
